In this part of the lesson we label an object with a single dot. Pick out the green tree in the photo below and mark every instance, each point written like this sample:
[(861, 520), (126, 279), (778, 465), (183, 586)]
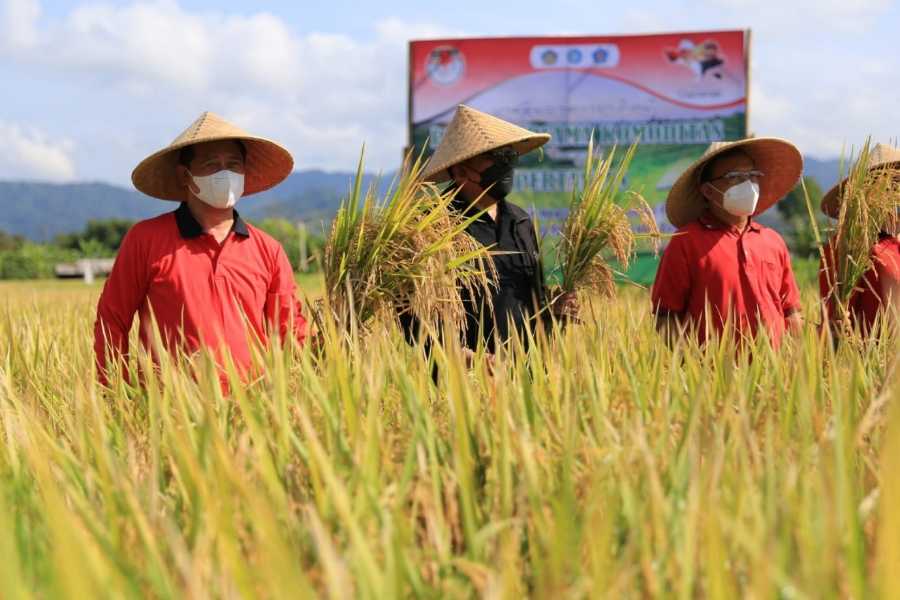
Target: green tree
[(288, 234), (801, 237), (32, 261), (100, 237), (9, 241), (794, 204)]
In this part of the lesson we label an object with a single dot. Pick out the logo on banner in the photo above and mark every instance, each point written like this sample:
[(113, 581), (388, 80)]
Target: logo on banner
[(705, 59), (445, 65), (575, 56)]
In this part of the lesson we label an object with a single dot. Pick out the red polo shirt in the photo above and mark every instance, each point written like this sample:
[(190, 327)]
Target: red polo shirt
[(742, 275), (866, 301), (202, 293)]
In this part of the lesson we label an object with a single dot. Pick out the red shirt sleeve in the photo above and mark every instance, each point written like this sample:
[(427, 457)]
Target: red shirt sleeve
[(672, 287), (789, 292), (283, 310), (886, 257), (122, 295)]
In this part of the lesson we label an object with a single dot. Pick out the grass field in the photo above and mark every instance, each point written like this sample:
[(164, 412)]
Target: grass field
[(603, 465)]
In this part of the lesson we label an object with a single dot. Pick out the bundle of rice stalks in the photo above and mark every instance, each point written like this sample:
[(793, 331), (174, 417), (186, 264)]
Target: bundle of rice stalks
[(405, 253), (599, 225), (870, 200)]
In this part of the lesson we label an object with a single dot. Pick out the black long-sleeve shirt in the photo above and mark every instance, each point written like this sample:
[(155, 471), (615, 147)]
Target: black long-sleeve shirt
[(518, 293)]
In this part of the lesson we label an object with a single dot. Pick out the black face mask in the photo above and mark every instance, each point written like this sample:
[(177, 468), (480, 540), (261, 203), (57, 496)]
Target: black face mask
[(497, 179)]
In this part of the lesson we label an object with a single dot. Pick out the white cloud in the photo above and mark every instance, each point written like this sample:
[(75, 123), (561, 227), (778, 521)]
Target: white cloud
[(17, 23), (636, 20), (144, 69), (149, 44), (824, 103), (839, 15), (324, 95), (30, 154)]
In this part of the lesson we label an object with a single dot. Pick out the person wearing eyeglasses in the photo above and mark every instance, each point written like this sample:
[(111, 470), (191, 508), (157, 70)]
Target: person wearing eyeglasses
[(722, 269), (477, 155)]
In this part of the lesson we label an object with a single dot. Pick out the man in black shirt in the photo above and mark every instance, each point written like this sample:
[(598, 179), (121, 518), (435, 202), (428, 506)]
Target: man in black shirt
[(477, 155)]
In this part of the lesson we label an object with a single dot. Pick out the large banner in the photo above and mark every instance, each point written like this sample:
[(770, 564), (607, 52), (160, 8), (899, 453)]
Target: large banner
[(675, 93)]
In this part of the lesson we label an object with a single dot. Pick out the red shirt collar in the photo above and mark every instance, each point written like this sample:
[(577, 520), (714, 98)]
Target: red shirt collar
[(709, 221), (189, 228)]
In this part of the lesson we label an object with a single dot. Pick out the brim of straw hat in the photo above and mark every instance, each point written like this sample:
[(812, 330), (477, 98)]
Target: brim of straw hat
[(831, 201), (471, 133), (779, 160), (267, 163)]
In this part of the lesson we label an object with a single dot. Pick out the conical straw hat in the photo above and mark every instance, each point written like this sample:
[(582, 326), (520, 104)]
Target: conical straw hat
[(266, 165), (778, 159), (881, 156), (471, 133)]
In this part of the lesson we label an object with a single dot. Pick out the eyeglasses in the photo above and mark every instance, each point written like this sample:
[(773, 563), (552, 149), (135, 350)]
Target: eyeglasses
[(735, 177)]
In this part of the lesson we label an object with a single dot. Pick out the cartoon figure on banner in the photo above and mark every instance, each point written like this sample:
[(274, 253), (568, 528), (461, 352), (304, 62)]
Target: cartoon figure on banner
[(702, 59)]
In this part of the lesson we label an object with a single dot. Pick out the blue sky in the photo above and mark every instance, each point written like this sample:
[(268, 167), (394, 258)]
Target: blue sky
[(89, 87)]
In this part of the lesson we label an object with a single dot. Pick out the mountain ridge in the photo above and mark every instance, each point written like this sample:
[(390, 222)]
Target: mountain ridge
[(39, 211)]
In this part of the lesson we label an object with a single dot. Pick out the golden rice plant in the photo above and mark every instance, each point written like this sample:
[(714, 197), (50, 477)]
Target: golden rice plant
[(600, 463), (870, 200), (407, 252), (599, 225)]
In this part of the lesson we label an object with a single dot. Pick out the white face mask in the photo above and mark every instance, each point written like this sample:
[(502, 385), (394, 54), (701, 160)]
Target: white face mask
[(740, 200), (221, 189)]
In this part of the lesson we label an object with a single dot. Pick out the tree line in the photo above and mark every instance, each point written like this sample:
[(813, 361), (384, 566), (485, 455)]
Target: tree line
[(21, 258)]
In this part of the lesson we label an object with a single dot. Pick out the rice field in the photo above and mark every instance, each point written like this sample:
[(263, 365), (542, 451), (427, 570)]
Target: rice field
[(603, 464)]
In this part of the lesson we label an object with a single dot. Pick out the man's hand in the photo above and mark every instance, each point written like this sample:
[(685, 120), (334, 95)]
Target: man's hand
[(566, 306), (795, 322), (470, 358)]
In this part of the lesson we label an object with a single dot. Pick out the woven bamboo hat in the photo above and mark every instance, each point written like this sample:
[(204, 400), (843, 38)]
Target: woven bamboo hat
[(881, 156), (266, 165), (778, 159), (471, 133)]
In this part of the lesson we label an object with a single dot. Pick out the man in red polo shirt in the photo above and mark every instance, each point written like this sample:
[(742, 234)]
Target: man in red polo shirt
[(878, 290), (207, 278), (722, 268)]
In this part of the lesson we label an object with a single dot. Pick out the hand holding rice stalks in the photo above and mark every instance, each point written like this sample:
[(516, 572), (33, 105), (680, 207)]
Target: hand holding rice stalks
[(406, 253), (870, 199), (598, 226)]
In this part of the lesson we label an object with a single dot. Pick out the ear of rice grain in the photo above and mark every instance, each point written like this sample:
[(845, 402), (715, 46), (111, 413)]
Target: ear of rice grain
[(599, 226), (869, 202), (406, 252)]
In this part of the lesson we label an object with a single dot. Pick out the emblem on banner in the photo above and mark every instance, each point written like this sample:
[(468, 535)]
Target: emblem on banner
[(575, 56), (445, 65)]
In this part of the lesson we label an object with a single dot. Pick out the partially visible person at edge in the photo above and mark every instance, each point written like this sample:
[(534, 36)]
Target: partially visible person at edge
[(878, 290), (477, 156), (208, 278), (722, 268)]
